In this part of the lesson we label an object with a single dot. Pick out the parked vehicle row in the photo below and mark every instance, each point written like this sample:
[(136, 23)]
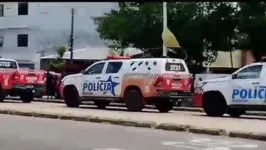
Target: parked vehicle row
[(136, 82)]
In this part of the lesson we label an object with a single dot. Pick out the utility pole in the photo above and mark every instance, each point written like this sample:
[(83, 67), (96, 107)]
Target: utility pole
[(71, 36), (164, 26)]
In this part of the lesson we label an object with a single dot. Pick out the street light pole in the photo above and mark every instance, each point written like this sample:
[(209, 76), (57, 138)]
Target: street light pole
[(71, 36), (164, 26)]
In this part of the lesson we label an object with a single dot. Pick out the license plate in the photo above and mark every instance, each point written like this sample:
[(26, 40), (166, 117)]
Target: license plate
[(176, 85), (31, 78), (173, 93), (29, 86)]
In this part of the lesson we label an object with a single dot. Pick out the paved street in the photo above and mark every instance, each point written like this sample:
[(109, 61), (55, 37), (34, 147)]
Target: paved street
[(253, 124), (28, 133)]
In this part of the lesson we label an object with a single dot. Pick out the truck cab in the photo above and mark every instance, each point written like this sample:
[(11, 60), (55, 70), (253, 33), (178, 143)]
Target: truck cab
[(243, 90)]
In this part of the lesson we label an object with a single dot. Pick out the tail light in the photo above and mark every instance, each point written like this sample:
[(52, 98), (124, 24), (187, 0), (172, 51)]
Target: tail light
[(161, 81), (16, 75)]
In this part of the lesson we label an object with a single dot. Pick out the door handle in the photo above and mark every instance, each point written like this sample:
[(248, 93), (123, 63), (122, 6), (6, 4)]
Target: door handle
[(98, 77), (255, 82), (116, 77)]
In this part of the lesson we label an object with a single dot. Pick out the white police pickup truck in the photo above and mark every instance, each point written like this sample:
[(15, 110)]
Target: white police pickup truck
[(243, 90), (135, 82)]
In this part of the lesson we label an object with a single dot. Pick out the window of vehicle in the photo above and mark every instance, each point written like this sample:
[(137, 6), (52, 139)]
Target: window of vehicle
[(1, 10), (95, 69), (22, 40), (23, 8), (113, 67), (8, 64), (252, 72), (179, 67), (29, 66)]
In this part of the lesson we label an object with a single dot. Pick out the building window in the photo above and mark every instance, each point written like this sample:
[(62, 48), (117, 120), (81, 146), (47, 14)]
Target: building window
[(1, 10), (23, 8), (22, 40)]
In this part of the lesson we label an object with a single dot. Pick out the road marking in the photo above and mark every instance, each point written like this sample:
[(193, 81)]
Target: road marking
[(209, 144)]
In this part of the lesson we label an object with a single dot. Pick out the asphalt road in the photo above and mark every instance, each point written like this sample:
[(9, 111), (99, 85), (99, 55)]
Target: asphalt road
[(28, 133)]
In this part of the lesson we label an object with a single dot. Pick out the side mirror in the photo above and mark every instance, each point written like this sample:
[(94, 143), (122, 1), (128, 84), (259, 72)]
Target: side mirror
[(82, 71), (234, 76)]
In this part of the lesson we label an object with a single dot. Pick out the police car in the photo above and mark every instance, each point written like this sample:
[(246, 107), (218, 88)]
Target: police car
[(243, 90), (135, 82)]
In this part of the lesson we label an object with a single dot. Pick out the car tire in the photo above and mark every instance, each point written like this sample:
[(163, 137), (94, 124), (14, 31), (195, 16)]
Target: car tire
[(2, 95), (71, 97), (163, 105), (101, 104), (26, 96), (213, 104), (235, 112), (134, 100)]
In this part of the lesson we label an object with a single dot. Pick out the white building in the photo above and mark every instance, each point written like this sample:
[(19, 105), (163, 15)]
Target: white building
[(27, 29)]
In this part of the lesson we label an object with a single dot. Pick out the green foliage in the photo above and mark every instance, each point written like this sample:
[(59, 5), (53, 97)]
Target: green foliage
[(202, 28), (58, 64), (252, 26)]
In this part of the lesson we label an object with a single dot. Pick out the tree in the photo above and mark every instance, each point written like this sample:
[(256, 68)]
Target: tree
[(199, 27), (58, 64), (252, 27)]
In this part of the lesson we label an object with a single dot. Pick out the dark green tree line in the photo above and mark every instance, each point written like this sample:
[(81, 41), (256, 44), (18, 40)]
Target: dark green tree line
[(202, 28)]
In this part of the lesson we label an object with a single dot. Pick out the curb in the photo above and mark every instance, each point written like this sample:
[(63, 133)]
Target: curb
[(188, 109), (142, 124), (207, 131), (173, 127)]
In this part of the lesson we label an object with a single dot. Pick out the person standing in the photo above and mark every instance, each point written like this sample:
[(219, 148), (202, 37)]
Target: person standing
[(49, 84)]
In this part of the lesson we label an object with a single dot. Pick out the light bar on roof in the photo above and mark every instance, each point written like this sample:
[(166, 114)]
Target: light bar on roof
[(117, 57)]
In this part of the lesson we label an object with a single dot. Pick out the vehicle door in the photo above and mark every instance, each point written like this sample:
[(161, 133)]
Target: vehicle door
[(112, 77), (91, 77), (245, 86)]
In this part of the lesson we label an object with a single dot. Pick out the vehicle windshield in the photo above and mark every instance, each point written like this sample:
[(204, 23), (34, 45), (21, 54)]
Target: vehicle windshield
[(28, 66), (8, 64)]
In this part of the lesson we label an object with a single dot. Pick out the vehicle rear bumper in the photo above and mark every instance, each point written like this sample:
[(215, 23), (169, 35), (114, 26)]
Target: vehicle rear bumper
[(174, 94), (18, 88)]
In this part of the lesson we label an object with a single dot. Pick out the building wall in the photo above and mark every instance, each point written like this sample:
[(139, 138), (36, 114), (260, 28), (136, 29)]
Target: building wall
[(48, 26)]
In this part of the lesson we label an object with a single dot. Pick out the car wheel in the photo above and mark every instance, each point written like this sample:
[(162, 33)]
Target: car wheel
[(214, 104), (133, 99), (101, 104), (2, 95), (163, 105), (26, 96), (71, 97)]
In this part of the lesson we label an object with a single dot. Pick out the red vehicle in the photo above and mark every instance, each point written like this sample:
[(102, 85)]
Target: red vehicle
[(15, 81)]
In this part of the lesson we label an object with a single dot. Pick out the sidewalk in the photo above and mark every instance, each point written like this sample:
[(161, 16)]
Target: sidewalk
[(246, 127), (190, 109)]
